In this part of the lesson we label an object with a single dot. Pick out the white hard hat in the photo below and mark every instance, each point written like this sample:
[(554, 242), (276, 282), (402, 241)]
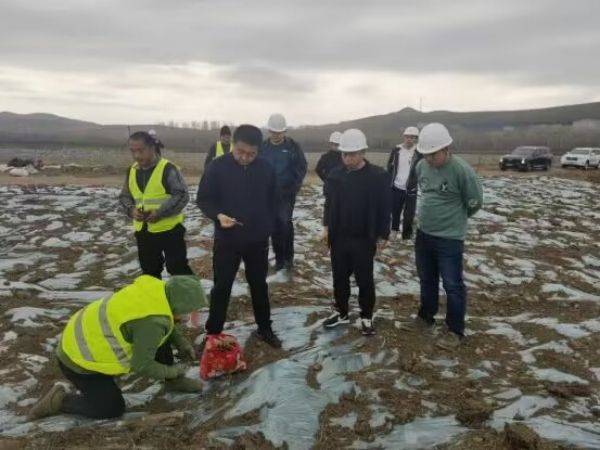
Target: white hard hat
[(411, 131), (334, 138), (433, 137), (352, 140), (277, 123), (152, 132)]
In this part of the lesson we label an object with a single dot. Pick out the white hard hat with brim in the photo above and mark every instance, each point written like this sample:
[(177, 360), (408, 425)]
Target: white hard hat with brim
[(433, 137)]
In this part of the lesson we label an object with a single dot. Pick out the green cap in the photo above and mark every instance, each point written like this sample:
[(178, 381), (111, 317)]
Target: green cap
[(185, 294)]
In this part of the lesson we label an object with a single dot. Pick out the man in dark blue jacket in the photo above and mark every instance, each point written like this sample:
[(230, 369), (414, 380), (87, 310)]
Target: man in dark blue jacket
[(237, 192), (287, 158)]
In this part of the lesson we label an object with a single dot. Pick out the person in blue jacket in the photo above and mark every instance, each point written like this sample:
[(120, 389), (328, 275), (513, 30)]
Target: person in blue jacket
[(287, 158)]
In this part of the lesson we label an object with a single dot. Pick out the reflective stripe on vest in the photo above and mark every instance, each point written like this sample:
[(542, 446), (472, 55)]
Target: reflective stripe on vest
[(92, 338), (219, 150), (151, 199)]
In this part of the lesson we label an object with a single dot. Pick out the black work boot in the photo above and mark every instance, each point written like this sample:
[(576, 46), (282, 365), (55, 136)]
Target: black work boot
[(267, 335)]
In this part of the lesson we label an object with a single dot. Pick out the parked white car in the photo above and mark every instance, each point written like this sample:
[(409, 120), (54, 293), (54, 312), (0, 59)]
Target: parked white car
[(585, 157)]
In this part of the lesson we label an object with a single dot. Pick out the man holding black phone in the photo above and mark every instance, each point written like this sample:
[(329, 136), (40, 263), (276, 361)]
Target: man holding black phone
[(237, 191)]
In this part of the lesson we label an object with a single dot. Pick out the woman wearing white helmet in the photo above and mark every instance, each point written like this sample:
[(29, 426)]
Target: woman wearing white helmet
[(401, 165), (331, 159), (356, 217)]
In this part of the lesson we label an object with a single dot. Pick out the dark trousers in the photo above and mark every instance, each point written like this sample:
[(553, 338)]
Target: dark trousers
[(353, 256), (283, 234), (99, 395), (154, 249), (226, 262), (403, 204), (437, 257)]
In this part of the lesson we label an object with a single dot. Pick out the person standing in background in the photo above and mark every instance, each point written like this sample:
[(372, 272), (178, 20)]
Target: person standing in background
[(287, 158), (221, 147), (330, 159), (401, 165)]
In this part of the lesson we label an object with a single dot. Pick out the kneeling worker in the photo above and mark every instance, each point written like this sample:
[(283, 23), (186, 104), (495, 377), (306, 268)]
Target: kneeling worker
[(118, 335), (357, 216)]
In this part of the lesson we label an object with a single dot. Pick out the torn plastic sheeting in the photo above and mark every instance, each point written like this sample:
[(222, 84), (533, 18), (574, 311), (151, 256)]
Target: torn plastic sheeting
[(289, 408), (422, 433), (581, 434), (524, 407)]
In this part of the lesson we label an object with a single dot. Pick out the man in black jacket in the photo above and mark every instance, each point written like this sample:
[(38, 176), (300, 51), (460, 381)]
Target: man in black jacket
[(237, 192), (331, 159), (356, 217), (401, 165)]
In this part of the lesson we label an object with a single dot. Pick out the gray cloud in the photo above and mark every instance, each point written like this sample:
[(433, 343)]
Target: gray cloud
[(271, 45), (543, 36), (266, 79)]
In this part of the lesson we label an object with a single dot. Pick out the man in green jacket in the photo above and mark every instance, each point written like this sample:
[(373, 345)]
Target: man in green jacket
[(450, 193), (121, 334)]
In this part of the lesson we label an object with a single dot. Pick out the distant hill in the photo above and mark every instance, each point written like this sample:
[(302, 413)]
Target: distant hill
[(52, 130), (389, 126), (479, 131)]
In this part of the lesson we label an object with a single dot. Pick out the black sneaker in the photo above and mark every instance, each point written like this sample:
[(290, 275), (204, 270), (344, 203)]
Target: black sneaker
[(269, 337), (366, 327), (335, 319)]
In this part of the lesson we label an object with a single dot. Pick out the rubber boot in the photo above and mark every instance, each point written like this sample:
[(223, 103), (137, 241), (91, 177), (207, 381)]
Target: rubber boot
[(49, 404)]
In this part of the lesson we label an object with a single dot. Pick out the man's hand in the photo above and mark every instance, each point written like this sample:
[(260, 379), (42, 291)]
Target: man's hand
[(226, 221), (152, 217), (137, 214)]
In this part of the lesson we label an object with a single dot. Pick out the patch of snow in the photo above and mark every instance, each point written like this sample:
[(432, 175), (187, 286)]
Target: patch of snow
[(523, 408), (556, 376), (30, 316)]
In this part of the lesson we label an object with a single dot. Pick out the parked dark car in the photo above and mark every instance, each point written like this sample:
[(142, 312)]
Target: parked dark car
[(527, 158)]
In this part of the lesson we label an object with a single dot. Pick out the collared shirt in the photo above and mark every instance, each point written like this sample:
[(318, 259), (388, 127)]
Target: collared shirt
[(405, 156)]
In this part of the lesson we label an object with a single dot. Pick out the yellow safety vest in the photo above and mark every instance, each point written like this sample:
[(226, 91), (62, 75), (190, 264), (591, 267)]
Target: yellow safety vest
[(219, 150), (93, 339), (152, 198)]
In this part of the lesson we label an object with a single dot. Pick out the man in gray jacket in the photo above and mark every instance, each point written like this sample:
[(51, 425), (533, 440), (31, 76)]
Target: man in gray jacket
[(154, 195)]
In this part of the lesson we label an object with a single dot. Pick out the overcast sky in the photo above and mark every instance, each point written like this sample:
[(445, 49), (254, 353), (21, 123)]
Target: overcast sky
[(143, 61)]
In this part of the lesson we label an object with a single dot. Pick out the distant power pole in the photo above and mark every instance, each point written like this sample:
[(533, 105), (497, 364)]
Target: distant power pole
[(420, 104)]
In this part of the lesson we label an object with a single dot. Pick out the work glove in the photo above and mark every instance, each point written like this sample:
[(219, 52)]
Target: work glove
[(186, 351), (176, 371)]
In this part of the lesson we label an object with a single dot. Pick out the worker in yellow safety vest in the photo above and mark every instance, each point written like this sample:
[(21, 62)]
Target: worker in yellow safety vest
[(154, 195), (221, 147), (120, 334)]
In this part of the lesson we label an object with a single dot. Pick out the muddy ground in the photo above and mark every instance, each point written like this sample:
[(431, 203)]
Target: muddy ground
[(527, 375)]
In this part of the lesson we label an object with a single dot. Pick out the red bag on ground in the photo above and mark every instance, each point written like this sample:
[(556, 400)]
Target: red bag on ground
[(222, 355)]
